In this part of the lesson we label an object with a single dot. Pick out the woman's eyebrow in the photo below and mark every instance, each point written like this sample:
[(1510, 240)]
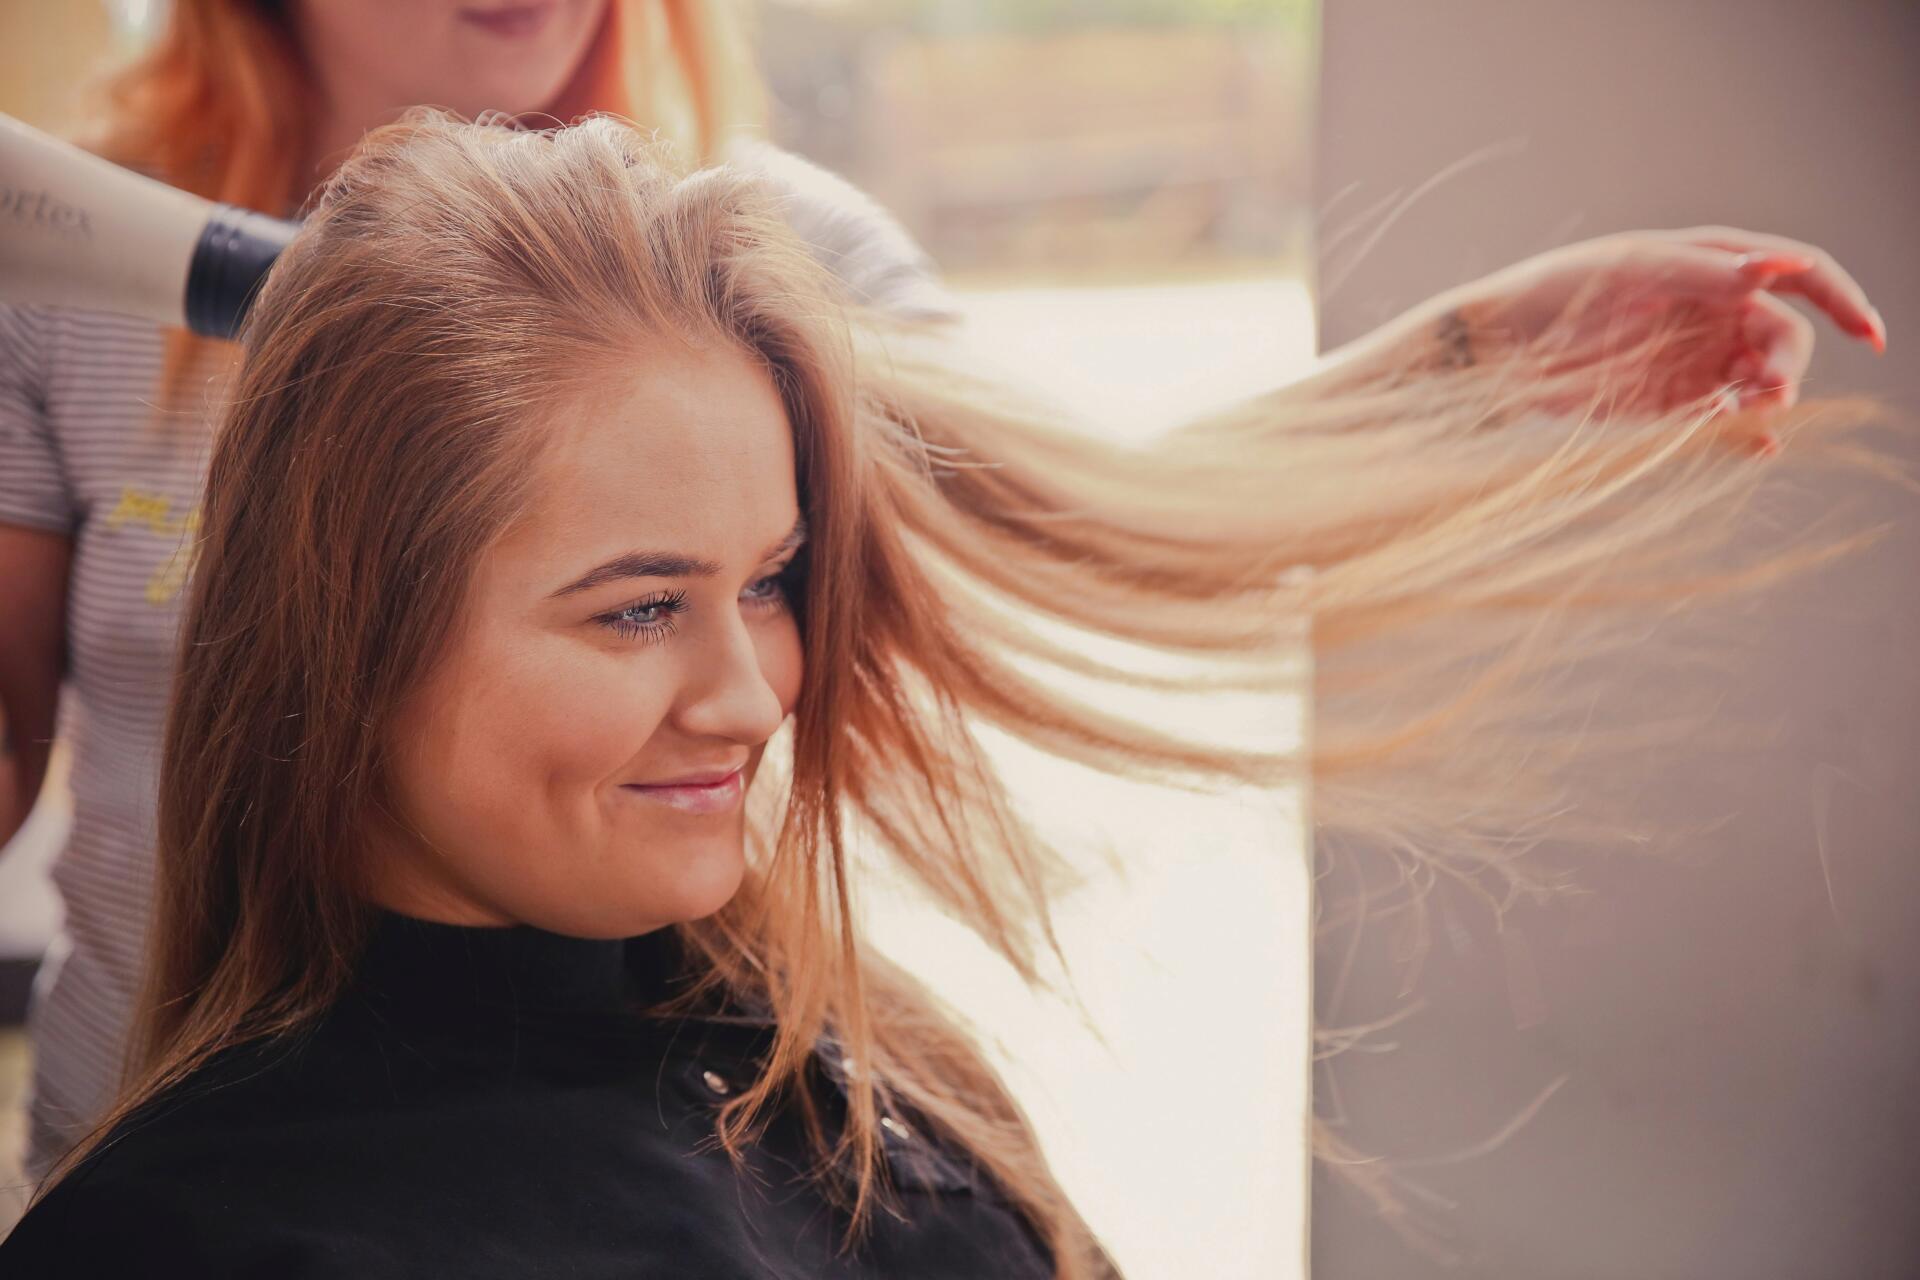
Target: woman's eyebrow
[(669, 564)]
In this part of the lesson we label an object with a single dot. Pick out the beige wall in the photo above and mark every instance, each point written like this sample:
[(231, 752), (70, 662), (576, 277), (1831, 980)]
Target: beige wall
[(1741, 1039), (46, 47)]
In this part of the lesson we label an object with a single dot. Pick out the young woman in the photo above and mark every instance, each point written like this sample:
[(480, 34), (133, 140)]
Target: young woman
[(501, 929), (251, 102)]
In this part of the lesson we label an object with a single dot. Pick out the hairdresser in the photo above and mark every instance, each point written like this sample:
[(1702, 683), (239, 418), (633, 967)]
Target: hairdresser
[(104, 429)]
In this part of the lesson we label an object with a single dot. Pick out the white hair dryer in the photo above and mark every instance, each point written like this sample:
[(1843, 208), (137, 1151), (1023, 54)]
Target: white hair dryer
[(78, 231)]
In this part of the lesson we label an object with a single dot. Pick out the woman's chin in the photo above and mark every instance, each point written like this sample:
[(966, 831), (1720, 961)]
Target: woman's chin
[(690, 883), (708, 882)]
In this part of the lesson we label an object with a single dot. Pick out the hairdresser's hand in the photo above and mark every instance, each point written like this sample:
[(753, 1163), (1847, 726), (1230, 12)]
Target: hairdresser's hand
[(1584, 304)]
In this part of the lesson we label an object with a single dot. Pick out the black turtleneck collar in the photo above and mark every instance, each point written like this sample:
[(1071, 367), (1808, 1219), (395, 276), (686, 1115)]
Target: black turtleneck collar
[(450, 972)]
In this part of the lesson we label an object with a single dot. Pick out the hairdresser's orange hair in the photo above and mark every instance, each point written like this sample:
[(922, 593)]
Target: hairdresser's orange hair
[(220, 103)]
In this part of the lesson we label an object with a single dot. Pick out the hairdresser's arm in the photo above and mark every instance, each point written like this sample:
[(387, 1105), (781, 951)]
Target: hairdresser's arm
[(1597, 298), (871, 253), (33, 593), (1425, 340)]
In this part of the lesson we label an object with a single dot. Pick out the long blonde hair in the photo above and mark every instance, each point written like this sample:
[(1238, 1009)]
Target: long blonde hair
[(453, 275)]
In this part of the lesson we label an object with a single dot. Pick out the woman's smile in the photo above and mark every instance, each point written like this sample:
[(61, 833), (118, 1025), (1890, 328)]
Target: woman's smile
[(716, 797), (515, 21)]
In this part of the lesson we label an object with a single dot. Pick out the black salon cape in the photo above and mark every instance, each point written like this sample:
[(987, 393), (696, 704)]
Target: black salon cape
[(483, 1104)]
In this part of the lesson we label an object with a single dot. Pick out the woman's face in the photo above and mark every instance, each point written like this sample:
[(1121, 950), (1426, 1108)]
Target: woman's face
[(629, 630), (469, 55)]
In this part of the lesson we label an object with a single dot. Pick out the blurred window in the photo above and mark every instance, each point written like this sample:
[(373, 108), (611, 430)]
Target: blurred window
[(1119, 192)]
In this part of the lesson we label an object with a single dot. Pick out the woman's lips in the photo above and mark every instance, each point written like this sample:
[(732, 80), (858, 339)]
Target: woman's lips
[(517, 21), (719, 797)]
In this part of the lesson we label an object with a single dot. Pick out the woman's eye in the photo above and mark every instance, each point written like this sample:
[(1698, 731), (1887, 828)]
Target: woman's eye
[(770, 590), (646, 619), (653, 619)]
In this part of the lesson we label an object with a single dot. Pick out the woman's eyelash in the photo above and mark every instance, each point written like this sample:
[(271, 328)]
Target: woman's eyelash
[(665, 607), (622, 621)]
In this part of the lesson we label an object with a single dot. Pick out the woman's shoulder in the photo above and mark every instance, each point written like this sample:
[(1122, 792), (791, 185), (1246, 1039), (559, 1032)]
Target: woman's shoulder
[(207, 1128), (251, 1165), (72, 366), (39, 327), (200, 1182), (331, 1155), (121, 1217)]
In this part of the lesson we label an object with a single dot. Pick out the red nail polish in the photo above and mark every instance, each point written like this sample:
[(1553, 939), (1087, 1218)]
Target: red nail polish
[(1774, 264)]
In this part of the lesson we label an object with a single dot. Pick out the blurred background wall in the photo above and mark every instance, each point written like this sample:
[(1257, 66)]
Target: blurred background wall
[(1739, 1029), (1098, 140)]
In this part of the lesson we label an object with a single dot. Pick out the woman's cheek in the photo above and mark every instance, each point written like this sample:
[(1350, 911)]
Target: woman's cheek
[(590, 713)]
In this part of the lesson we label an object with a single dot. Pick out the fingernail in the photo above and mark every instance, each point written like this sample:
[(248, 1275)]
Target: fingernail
[(1774, 263), (1879, 331), (1766, 444)]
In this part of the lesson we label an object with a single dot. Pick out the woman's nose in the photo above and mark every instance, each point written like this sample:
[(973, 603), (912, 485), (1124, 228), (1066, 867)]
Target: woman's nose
[(728, 693)]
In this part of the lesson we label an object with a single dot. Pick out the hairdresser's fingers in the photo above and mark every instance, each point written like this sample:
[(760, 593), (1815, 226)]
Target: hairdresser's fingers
[(1656, 271), (1823, 281), (1776, 348)]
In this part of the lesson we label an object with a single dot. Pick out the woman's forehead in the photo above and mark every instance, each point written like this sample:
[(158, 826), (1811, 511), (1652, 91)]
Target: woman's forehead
[(690, 447)]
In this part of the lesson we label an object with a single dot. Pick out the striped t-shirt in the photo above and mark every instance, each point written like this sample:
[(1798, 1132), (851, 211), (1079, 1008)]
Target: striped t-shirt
[(83, 452)]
